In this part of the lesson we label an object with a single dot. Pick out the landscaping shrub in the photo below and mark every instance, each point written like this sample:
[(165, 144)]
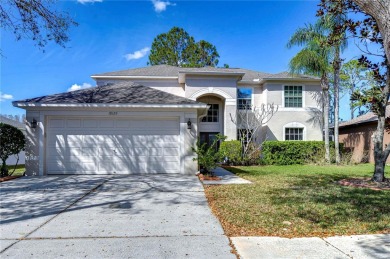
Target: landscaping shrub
[(207, 155), (294, 152), (230, 152), (12, 142)]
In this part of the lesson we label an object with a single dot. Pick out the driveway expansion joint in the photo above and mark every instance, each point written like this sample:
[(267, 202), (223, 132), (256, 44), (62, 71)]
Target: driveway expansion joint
[(341, 251), (108, 237), (56, 215)]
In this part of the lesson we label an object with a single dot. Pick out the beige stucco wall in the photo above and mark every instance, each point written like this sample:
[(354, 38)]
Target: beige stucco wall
[(311, 97), (198, 87), (275, 130), (33, 136), (225, 89), (309, 116)]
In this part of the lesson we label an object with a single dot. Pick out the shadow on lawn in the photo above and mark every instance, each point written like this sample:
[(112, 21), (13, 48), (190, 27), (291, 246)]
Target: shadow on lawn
[(319, 199)]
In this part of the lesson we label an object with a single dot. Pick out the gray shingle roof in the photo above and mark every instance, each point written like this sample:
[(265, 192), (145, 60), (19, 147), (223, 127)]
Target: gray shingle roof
[(118, 93), (171, 71), (365, 118), (14, 123), (287, 75)]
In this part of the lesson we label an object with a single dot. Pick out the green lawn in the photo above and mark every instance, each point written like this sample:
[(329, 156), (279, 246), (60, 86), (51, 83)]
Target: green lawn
[(20, 169), (297, 200)]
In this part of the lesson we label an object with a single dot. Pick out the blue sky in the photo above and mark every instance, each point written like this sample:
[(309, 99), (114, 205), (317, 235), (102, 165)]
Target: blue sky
[(116, 35)]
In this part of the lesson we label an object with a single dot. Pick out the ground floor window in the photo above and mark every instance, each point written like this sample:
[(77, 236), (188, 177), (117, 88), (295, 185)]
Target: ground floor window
[(293, 134)]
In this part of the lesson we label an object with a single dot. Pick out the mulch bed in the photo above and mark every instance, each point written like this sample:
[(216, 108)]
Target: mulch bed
[(204, 177), (365, 183), (8, 178)]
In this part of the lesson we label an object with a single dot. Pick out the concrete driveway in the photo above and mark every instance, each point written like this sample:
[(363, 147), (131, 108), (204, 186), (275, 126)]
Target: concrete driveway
[(151, 216)]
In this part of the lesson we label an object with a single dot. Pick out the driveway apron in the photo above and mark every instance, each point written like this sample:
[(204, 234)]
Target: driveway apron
[(134, 216)]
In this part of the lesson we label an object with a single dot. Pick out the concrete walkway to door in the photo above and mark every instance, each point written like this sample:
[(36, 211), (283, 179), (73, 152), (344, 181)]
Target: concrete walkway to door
[(148, 216)]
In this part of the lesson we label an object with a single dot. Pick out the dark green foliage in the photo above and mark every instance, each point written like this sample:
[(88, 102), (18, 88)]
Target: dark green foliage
[(12, 141), (178, 48), (292, 152), (208, 155), (231, 151)]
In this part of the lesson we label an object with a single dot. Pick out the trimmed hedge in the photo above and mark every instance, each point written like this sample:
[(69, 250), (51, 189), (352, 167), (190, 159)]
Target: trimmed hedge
[(294, 152), (232, 151)]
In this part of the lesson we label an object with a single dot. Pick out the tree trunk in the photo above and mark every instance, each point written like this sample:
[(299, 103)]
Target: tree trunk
[(4, 170), (380, 154), (325, 92), (336, 68), (380, 11), (351, 102)]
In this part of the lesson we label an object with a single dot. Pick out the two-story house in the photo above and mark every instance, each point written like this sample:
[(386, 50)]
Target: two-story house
[(146, 120)]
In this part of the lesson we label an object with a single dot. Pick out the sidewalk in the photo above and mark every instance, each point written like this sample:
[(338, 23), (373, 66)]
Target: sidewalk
[(357, 247), (226, 178)]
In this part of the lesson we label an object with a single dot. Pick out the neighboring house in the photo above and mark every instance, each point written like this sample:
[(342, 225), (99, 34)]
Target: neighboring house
[(14, 158), (136, 120), (356, 136)]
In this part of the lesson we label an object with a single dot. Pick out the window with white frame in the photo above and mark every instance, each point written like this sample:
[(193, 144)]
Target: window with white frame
[(244, 98), (212, 114), (293, 96), (293, 133)]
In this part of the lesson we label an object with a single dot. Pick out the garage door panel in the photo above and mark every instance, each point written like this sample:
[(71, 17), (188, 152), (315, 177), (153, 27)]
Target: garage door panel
[(71, 167), (65, 141), (122, 167), (56, 123), (114, 152), (106, 123), (107, 146), (170, 151), (73, 123), (164, 159), (155, 152)]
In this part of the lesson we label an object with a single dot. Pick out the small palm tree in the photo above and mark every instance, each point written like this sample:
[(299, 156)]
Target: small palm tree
[(321, 56), (314, 59)]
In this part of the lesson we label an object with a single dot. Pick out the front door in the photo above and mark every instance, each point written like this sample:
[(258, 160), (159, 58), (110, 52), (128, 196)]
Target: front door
[(208, 138)]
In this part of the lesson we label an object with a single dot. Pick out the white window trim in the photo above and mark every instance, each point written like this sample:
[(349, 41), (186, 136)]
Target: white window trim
[(294, 125), (283, 108), (252, 95)]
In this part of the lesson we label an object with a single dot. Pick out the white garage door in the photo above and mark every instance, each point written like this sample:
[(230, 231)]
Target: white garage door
[(112, 146)]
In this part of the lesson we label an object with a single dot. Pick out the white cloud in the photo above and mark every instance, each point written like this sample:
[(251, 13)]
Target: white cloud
[(4, 97), (78, 87), (160, 6), (137, 54), (89, 1)]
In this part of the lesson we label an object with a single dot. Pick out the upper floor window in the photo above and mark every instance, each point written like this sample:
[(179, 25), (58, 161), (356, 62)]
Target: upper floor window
[(292, 96), (244, 98), (293, 134), (212, 114)]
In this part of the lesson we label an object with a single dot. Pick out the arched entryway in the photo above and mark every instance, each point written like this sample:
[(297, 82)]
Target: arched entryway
[(211, 122)]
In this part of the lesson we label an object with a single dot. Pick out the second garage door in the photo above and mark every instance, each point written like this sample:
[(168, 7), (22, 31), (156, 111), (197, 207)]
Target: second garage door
[(77, 145)]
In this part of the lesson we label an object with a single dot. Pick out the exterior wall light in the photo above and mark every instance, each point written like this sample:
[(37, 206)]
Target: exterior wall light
[(189, 124), (33, 124)]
